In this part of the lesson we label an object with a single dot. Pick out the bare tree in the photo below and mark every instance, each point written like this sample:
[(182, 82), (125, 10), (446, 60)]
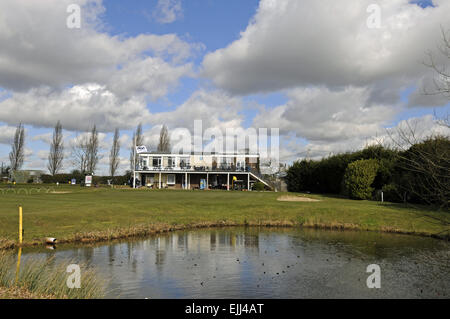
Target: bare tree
[(139, 141), (442, 79), (114, 154), (425, 162), (164, 140), (17, 154), (92, 151), (56, 156), (80, 153), (85, 152)]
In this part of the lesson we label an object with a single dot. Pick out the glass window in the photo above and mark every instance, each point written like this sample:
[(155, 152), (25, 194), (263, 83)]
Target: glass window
[(156, 161), (171, 179)]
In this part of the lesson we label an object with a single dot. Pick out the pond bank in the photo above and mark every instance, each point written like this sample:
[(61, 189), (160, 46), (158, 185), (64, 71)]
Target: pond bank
[(145, 231)]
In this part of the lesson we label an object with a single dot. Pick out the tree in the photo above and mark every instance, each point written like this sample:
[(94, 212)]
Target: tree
[(92, 151), (56, 156), (114, 154), (17, 154), (139, 141), (85, 152), (4, 170), (164, 140), (359, 177), (79, 153), (442, 79)]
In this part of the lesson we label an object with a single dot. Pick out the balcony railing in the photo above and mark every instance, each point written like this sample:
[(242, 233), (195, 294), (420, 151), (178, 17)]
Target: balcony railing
[(189, 168)]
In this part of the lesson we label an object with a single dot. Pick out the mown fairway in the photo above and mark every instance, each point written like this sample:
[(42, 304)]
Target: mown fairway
[(66, 212)]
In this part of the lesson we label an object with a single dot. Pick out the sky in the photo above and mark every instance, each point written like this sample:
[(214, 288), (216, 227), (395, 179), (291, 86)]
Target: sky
[(320, 71)]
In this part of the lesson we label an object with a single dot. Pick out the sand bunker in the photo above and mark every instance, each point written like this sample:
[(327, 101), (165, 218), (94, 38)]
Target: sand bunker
[(60, 192), (296, 199)]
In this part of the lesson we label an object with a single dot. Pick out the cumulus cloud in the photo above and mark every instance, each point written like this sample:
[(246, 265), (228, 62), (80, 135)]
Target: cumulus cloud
[(319, 114), (168, 11), (39, 50), (7, 134), (292, 43), (215, 108), (78, 108)]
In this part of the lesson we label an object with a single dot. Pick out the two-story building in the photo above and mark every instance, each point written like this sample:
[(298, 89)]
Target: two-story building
[(198, 171)]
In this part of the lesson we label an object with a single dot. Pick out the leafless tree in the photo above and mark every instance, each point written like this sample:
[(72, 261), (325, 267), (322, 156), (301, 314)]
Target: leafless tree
[(442, 79), (114, 154), (56, 156), (92, 151), (426, 162), (80, 153), (85, 152), (139, 141), (17, 154), (164, 140)]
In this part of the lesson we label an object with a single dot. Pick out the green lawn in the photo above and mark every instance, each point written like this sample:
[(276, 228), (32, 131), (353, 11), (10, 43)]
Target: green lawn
[(75, 213)]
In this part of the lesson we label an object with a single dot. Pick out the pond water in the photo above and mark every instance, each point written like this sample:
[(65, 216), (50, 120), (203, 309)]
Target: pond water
[(265, 263)]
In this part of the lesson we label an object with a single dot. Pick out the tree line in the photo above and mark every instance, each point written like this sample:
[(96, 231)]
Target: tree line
[(84, 153), (415, 173)]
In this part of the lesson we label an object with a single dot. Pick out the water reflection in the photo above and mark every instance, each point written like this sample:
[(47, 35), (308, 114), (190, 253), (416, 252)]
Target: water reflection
[(266, 263)]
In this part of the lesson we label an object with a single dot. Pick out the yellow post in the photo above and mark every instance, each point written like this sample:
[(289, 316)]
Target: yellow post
[(20, 225)]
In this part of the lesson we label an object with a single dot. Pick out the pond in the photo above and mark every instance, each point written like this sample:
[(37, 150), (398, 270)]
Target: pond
[(266, 263)]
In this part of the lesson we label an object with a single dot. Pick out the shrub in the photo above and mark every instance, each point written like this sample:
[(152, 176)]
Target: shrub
[(258, 186), (359, 177)]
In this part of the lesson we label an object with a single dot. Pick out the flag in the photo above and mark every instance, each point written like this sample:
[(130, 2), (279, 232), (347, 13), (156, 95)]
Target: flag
[(141, 149)]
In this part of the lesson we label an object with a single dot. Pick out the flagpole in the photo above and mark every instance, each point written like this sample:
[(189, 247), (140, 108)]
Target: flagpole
[(134, 163)]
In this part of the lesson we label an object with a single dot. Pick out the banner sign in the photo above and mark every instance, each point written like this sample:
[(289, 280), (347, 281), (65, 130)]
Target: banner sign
[(141, 149)]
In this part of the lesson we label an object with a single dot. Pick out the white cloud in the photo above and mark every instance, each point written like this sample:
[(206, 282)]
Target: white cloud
[(292, 43), (78, 108), (168, 11), (6, 134), (214, 108), (327, 116), (38, 50)]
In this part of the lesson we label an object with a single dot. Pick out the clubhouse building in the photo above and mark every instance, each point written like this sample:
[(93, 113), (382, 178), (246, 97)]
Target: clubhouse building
[(199, 171)]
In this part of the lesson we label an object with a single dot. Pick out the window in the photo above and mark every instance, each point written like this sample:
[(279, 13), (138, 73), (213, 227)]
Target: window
[(156, 161), (171, 179), (185, 161), (171, 161)]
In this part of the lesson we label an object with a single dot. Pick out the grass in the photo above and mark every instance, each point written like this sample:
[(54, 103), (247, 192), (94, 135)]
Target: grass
[(38, 279), (71, 213)]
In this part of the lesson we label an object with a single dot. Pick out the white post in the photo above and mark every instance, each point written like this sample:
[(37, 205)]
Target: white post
[(228, 181), (134, 163), (382, 197), (159, 180), (248, 181)]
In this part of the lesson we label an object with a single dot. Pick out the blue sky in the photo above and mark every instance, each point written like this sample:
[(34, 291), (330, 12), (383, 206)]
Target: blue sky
[(321, 76)]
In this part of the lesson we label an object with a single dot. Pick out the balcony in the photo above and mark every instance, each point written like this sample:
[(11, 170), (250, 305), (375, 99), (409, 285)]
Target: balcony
[(189, 168)]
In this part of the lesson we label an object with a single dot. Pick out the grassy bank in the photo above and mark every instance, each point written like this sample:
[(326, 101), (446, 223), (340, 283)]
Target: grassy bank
[(71, 213), (39, 279)]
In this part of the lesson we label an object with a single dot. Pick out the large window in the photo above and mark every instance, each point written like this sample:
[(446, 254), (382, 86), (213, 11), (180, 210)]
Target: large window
[(171, 179), (185, 161), (156, 161)]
